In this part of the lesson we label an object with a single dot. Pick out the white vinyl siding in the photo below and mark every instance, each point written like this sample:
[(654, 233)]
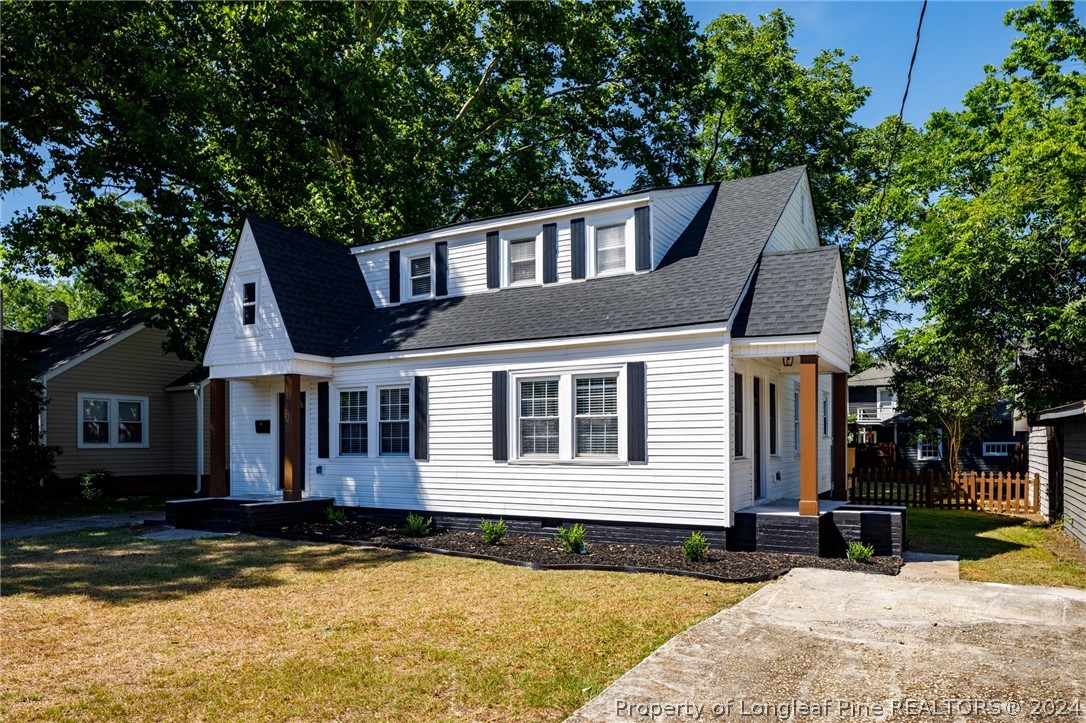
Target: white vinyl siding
[(791, 232), (682, 482), (672, 211)]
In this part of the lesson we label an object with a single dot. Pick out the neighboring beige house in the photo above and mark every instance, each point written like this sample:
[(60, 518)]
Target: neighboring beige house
[(117, 402)]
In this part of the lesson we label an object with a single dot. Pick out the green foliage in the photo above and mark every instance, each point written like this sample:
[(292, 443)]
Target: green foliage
[(493, 532), (860, 552), (357, 121), (695, 547), (999, 256), (94, 485), (26, 300), (337, 515), (24, 460), (417, 525), (945, 386), (572, 538)]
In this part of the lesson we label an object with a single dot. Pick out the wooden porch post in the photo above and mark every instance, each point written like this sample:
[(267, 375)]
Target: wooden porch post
[(839, 425), (218, 487), (808, 434), (292, 437)]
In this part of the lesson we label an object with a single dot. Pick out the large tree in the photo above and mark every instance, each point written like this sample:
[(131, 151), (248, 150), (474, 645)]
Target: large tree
[(164, 122), (998, 256)]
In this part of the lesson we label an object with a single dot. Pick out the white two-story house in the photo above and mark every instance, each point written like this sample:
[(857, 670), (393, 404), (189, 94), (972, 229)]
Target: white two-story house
[(655, 361)]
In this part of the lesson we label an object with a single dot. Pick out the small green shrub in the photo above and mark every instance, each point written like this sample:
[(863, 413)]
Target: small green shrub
[(572, 538), (695, 547), (493, 532), (92, 485), (860, 552), (336, 514), (417, 525)]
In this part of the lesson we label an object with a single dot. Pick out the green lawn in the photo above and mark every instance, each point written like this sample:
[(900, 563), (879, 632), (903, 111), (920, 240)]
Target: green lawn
[(76, 507), (1000, 548), (103, 626)]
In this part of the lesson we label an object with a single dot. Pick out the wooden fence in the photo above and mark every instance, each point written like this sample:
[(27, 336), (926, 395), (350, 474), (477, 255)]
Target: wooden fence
[(991, 492)]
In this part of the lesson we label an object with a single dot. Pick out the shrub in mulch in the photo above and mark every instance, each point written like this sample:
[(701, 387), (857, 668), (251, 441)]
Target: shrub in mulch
[(547, 551)]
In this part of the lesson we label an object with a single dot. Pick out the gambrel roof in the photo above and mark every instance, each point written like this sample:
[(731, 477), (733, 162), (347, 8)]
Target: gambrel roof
[(328, 310)]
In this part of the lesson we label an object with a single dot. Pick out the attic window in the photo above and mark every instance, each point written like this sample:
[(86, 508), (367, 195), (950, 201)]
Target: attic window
[(248, 303), (521, 260), (420, 276), (610, 248)]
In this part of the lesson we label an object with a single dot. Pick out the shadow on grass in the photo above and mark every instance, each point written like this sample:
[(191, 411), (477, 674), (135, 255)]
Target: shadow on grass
[(116, 566), (964, 533)]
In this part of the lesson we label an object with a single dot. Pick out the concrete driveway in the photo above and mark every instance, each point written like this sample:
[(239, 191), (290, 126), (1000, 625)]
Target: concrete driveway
[(85, 522), (820, 644)]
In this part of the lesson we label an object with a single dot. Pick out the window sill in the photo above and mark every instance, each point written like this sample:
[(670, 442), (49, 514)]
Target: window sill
[(576, 461)]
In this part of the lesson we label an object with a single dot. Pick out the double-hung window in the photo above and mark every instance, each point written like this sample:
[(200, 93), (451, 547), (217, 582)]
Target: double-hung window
[(112, 421), (420, 276), (597, 416), (248, 303), (353, 422), (929, 447), (538, 428), (395, 421), (610, 248), (521, 260)]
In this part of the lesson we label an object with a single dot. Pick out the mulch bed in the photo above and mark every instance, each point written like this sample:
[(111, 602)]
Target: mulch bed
[(547, 553)]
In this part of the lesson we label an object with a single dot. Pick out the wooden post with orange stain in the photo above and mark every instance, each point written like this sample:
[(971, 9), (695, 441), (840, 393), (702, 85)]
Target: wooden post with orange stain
[(218, 486), (808, 435), (292, 437)]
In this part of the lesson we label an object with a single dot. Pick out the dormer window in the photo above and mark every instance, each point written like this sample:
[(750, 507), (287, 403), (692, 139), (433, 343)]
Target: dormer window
[(610, 248), (421, 276), (521, 260), (248, 303)]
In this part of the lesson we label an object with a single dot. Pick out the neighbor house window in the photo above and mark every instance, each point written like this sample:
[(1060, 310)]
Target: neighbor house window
[(539, 418), (521, 260), (929, 447), (395, 423), (795, 419), (738, 415), (597, 417), (112, 421), (353, 422), (997, 449), (772, 418), (420, 276), (610, 248), (248, 303)]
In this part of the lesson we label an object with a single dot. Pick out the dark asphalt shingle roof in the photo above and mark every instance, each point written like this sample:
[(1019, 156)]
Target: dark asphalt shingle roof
[(328, 310), (65, 341), (874, 376), (789, 293), (190, 378)]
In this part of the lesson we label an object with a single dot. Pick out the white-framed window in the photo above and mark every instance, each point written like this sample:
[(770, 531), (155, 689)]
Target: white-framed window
[(354, 422), (113, 420), (596, 416), (739, 424), (538, 426), (420, 282), (522, 264), (825, 415), (997, 449), (795, 419), (928, 447), (609, 248), (247, 291), (395, 421)]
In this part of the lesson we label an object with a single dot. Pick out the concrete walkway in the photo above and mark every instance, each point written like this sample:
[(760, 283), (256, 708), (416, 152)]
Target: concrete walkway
[(867, 647), (929, 566), (86, 522)]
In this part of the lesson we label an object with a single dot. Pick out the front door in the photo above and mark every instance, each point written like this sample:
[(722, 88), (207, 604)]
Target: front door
[(759, 478), (301, 472)]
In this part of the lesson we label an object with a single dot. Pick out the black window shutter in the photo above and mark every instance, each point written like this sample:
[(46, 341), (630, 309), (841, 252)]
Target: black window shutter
[(577, 248), (422, 418), (394, 277), (493, 261), (441, 261), (500, 416), (550, 253), (635, 412), (322, 420), (643, 239)]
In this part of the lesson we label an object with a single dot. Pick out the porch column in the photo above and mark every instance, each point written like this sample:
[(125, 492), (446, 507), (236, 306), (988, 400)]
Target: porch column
[(808, 434), (292, 437), (839, 427), (218, 487)]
